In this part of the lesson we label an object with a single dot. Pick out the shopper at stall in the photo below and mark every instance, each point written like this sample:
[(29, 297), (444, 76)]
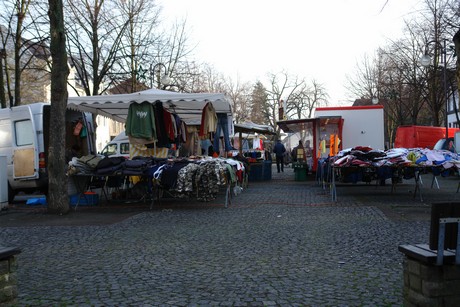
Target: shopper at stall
[(279, 151), (298, 153)]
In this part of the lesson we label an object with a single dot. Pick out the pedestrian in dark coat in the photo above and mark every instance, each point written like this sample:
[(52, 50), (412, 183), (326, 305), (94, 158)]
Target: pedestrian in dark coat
[(279, 151)]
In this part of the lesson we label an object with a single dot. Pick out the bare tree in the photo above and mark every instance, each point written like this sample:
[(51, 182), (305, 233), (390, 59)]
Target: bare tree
[(22, 8), (307, 98), (436, 32), (141, 44), (364, 81), (94, 34), (3, 66), (452, 20), (5, 69), (410, 93), (401, 80), (189, 77), (210, 80), (282, 87), (239, 92), (175, 52), (23, 51), (58, 200), (457, 70)]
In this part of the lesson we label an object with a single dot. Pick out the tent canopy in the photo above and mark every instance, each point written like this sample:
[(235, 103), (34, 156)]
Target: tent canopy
[(188, 106), (250, 127)]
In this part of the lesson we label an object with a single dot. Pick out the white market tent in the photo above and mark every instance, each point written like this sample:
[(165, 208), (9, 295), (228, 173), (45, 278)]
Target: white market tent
[(251, 128), (188, 106)]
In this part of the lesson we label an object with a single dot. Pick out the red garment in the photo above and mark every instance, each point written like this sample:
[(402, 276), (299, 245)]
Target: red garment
[(239, 175), (168, 125), (363, 148)]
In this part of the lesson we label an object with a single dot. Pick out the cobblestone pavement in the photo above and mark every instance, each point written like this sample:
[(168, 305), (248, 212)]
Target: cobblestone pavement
[(279, 243)]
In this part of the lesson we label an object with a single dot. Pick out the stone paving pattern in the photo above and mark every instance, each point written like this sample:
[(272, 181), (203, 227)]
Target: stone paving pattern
[(280, 243)]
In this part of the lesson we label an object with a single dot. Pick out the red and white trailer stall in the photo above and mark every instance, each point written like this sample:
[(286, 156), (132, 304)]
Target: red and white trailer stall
[(336, 128)]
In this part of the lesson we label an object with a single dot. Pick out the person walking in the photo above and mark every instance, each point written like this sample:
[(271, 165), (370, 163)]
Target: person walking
[(279, 151)]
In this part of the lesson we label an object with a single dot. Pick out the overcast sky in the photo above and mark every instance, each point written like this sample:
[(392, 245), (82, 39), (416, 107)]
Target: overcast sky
[(320, 39)]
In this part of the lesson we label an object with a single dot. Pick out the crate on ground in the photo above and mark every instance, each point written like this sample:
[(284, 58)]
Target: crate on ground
[(88, 198), (300, 171)]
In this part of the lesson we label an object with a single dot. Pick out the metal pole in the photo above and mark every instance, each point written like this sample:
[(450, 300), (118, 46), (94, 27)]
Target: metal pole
[(444, 53), (158, 76), (151, 76)]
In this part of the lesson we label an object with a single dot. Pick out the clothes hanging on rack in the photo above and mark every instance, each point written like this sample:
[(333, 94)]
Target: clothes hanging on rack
[(162, 135), (140, 122), (169, 126), (153, 126), (208, 120), (222, 128)]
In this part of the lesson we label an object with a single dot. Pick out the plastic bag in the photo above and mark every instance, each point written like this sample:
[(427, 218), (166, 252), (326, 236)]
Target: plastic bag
[(77, 129)]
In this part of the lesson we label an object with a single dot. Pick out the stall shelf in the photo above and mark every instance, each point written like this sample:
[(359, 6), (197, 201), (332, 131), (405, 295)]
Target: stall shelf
[(260, 171), (260, 166)]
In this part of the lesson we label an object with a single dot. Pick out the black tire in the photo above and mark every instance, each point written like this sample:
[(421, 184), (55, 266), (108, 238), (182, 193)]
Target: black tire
[(11, 194)]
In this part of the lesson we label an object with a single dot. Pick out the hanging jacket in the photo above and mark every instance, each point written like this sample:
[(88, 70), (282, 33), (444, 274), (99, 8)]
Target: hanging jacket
[(140, 122)]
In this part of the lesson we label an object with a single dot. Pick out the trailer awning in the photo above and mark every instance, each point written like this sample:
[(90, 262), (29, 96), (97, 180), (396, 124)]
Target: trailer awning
[(296, 125)]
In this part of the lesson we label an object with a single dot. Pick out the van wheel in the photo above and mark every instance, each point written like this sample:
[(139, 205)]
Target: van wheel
[(11, 194), (44, 192)]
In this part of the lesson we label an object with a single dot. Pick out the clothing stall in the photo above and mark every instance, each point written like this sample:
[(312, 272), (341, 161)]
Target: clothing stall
[(348, 147), (367, 165), (166, 130), (335, 128), (251, 141), (306, 131)]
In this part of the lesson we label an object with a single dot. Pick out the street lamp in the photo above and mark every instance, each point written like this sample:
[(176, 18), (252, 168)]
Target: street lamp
[(425, 61), (165, 80)]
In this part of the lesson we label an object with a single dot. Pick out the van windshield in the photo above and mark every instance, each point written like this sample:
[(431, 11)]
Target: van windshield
[(110, 149)]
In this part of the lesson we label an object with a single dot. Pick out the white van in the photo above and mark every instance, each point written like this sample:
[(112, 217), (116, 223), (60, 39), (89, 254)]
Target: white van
[(24, 140), (117, 147)]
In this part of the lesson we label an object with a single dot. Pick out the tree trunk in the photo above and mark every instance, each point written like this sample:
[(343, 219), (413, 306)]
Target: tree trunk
[(58, 200), (457, 70), (17, 60), (2, 85)]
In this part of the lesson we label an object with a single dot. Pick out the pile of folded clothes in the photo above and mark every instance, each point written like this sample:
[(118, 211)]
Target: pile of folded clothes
[(366, 164), (368, 157), (102, 166)]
